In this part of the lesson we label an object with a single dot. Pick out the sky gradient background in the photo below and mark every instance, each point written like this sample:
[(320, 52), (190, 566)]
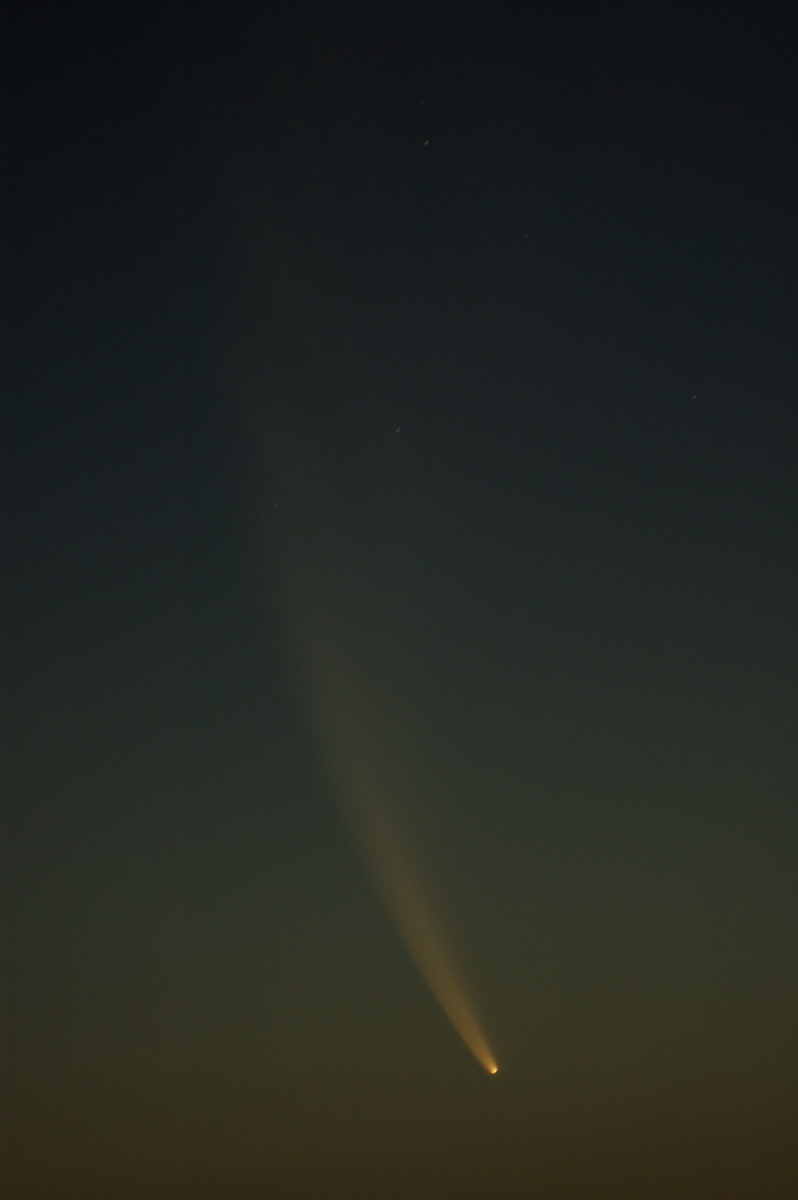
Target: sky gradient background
[(458, 341)]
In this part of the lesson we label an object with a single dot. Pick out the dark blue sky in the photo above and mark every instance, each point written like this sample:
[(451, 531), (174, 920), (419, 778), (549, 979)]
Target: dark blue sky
[(415, 386)]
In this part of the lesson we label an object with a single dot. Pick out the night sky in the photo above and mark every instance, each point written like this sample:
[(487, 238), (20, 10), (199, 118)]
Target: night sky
[(399, 426)]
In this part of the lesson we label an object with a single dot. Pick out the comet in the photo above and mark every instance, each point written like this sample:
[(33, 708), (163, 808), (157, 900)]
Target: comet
[(421, 930), (332, 612), (367, 799), (355, 718)]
